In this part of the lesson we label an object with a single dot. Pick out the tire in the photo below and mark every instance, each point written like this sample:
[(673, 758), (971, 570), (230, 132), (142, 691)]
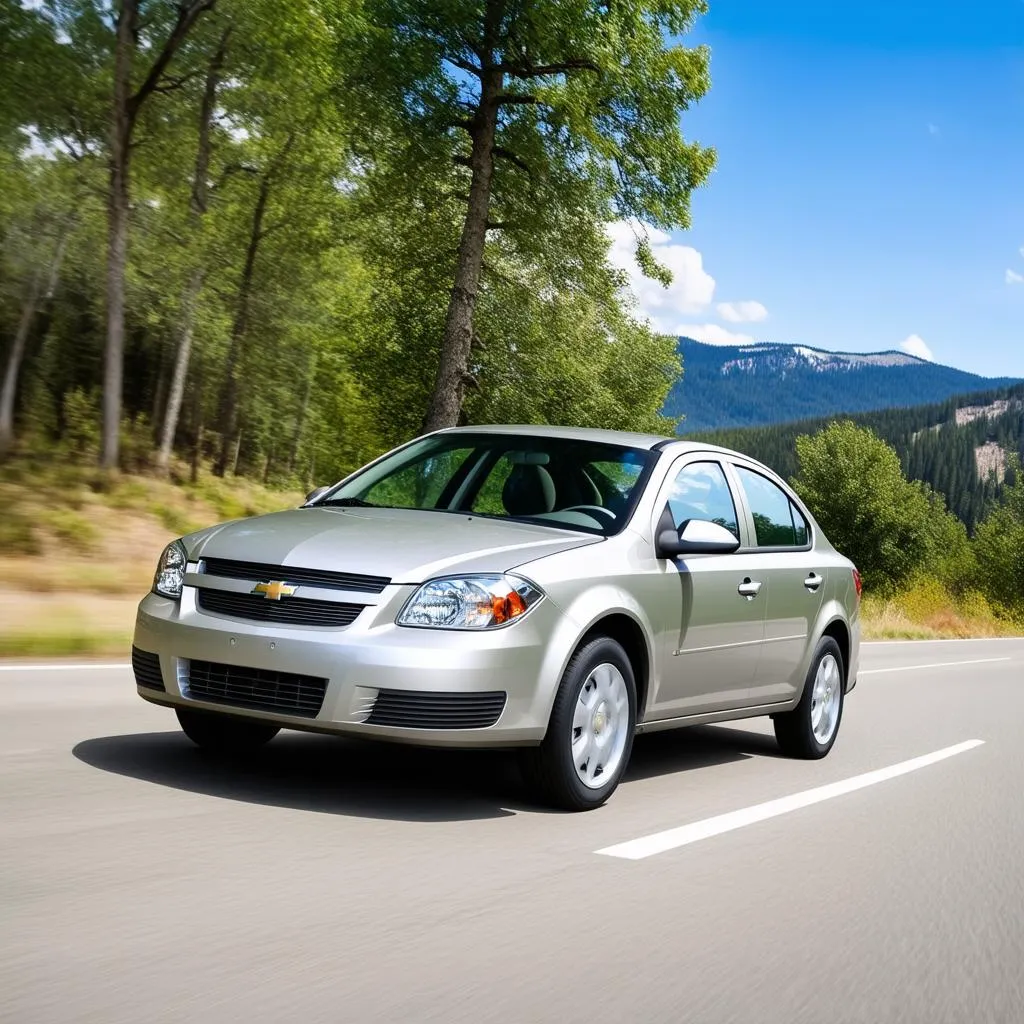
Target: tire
[(221, 734), (575, 730), (802, 732)]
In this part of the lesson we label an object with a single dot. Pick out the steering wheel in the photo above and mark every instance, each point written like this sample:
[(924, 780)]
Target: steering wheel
[(591, 509)]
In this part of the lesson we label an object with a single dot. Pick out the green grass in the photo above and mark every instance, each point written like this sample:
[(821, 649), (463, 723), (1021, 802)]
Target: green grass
[(17, 536), (62, 643)]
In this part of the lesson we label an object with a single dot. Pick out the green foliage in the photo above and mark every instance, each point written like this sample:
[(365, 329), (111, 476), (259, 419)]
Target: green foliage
[(854, 486), (999, 544), (72, 528), (333, 346), (17, 533)]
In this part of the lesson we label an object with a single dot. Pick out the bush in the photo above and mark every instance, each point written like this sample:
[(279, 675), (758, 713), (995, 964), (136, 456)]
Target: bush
[(81, 436), (17, 536), (72, 528), (999, 546), (854, 486)]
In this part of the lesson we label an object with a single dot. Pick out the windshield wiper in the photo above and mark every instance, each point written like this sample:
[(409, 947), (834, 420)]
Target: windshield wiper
[(348, 503)]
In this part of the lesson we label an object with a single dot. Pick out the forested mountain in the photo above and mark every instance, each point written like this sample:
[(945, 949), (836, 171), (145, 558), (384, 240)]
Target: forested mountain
[(756, 385), (961, 447)]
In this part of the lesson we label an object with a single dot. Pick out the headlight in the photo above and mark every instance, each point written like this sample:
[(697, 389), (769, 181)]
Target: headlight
[(170, 570), (469, 602)]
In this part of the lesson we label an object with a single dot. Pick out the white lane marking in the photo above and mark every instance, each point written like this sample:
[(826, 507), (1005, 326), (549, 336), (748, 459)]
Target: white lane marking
[(57, 667), (936, 664), (671, 839)]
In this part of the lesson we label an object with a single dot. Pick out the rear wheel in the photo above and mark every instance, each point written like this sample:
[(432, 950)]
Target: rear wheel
[(221, 734), (590, 734), (810, 729)]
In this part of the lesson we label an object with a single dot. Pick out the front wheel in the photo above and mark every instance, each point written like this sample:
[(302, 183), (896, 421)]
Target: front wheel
[(590, 734), (221, 734), (810, 729)]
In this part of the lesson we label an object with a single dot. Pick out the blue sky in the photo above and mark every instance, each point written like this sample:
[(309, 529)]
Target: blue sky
[(870, 183)]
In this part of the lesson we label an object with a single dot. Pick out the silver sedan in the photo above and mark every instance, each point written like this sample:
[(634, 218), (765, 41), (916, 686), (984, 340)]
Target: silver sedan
[(551, 589)]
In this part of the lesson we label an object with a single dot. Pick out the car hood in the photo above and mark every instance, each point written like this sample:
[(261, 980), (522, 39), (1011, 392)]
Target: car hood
[(406, 545)]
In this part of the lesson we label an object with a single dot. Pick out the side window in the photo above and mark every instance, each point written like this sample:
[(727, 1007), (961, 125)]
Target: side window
[(803, 534), (700, 491), (777, 523)]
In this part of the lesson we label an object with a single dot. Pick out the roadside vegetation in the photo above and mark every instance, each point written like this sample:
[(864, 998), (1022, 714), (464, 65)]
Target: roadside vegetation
[(78, 547), (924, 577)]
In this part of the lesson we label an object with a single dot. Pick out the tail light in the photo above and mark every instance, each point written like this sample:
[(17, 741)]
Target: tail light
[(857, 583)]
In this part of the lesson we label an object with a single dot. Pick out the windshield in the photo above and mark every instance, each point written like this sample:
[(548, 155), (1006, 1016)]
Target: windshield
[(579, 485)]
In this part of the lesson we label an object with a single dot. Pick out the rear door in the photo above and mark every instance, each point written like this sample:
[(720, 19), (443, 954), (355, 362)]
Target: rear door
[(783, 557)]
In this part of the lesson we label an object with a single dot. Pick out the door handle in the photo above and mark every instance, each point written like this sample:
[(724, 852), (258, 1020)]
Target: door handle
[(813, 581), (749, 588)]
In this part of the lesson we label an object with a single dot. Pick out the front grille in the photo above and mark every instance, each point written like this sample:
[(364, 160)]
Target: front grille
[(258, 571), (415, 709), (296, 611), (146, 667), (256, 688)]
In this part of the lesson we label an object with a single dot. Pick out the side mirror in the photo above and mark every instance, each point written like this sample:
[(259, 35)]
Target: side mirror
[(315, 493), (695, 537)]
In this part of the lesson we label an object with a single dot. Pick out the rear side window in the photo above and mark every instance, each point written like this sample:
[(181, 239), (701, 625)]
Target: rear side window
[(777, 521), (700, 491)]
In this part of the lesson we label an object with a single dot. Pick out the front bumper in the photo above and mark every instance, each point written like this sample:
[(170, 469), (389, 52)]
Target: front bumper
[(358, 661)]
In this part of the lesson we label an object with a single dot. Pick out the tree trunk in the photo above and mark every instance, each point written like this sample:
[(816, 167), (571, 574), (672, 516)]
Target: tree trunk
[(14, 359), (186, 325), (190, 298), (228, 417), (125, 112), (453, 367), (16, 356), (300, 420), (117, 232)]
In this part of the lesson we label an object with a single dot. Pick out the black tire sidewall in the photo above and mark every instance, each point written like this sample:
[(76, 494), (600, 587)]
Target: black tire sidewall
[(827, 645), (557, 748), (224, 734)]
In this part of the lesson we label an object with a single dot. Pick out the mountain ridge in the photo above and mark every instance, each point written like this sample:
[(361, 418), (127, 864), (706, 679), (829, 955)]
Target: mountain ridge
[(795, 382)]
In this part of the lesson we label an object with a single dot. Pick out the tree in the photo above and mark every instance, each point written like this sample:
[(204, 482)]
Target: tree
[(852, 482), (128, 102), (546, 114), (999, 544), (198, 204)]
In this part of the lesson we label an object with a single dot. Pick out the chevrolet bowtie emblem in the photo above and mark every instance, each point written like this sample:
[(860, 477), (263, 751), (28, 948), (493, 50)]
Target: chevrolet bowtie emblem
[(274, 590)]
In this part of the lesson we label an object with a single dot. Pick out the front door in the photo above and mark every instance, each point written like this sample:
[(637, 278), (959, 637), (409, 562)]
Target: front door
[(713, 604)]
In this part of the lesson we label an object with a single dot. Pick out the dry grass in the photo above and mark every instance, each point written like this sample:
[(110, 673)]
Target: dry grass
[(927, 612), (77, 549)]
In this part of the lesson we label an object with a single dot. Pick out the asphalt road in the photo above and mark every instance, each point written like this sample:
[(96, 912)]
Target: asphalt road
[(340, 881)]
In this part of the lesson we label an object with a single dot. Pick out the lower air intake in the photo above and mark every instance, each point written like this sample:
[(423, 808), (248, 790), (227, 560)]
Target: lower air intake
[(146, 667), (417, 709), (256, 688)]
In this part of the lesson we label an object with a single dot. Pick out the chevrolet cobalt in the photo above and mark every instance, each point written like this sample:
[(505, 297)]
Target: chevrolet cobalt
[(552, 589)]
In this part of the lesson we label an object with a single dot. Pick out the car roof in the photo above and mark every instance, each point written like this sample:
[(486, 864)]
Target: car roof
[(623, 437)]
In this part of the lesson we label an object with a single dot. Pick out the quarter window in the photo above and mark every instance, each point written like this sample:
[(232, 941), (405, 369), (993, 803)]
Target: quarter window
[(777, 521), (700, 491)]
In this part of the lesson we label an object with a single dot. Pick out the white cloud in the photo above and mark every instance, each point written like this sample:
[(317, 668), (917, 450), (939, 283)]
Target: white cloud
[(933, 129), (915, 345), (712, 334), (1012, 277), (692, 287), (742, 312)]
